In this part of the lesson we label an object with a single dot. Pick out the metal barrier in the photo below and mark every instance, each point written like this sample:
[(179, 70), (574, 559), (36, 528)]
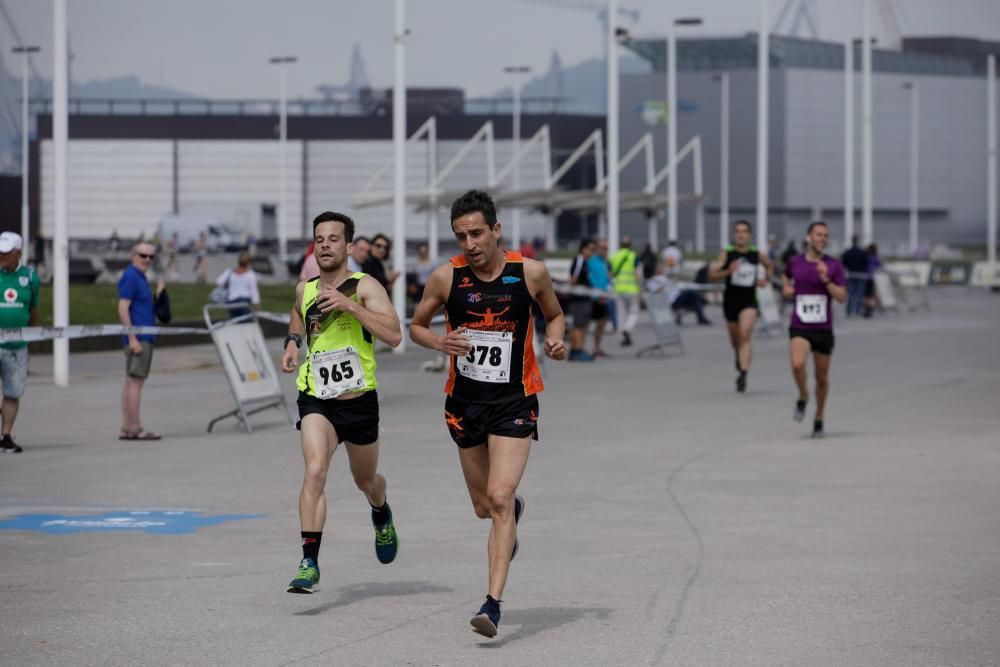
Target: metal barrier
[(664, 325), (249, 370)]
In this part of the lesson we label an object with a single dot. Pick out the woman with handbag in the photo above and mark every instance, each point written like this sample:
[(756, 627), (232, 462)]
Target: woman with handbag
[(238, 286)]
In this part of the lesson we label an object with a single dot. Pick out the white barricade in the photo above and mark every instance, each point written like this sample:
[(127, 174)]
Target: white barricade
[(247, 364), (664, 325), (981, 275), (883, 289), (770, 316)]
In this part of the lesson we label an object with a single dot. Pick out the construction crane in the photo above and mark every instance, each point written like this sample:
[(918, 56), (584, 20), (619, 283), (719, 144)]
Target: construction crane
[(600, 8), (795, 13)]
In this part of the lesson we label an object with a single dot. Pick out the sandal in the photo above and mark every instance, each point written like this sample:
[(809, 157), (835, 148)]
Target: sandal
[(139, 435)]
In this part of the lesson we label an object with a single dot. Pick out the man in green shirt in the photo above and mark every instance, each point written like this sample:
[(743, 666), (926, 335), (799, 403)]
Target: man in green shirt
[(18, 308)]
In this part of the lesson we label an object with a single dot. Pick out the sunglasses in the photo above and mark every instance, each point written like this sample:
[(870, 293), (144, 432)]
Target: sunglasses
[(380, 245), (144, 256)]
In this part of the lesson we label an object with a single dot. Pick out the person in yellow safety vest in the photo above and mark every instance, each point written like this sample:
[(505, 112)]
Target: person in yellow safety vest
[(625, 273)]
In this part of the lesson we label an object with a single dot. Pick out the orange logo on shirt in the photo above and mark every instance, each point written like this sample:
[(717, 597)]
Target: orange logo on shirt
[(489, 318), (465, 282)]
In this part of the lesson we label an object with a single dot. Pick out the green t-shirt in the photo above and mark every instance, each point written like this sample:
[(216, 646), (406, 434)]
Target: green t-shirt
[(18, 297)]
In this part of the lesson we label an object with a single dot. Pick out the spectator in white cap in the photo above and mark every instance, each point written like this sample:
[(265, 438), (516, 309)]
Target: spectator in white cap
[(19, 286)]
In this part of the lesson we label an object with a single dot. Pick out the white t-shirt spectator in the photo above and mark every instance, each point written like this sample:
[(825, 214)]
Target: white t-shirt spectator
[(240, 286), (672, 258)]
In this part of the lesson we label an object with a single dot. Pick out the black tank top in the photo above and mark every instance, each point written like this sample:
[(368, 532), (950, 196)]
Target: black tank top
[(501, 366), (742, 283)]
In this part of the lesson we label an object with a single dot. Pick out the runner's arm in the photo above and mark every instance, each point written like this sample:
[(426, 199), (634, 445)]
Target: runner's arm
[(296, 327), (787, 286), (435, 295), (376, 312), (540, 285), (717, 270), (836, 283)]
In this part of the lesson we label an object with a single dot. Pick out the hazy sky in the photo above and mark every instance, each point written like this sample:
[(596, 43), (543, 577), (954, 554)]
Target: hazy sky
[(219, 48)]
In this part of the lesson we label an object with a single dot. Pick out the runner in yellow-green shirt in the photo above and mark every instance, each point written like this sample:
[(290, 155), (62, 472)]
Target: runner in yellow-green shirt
[(337, 317)]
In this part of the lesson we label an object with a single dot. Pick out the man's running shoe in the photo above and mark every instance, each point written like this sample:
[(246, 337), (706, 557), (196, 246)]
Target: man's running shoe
[(519, 506), (386, 539), (8, 446), (306, 579), (579, 355), (800, 410), (818, 429), (488, 618), (741, 382)]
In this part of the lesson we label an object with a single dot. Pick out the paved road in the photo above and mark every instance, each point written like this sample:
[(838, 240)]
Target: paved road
[(670, 520)]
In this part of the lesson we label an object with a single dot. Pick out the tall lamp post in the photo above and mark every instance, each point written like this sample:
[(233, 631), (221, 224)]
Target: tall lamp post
[(848, 142), (763, 84), (672, 121), (723, 80), (612, 126), (991, 165), (282, 61), (914, 89), (518, 72), (399, 163), (867, 196), (26, 51), (60, 204)]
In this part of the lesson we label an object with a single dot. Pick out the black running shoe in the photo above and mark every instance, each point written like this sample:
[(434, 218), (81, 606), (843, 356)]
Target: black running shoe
[(8, 446), (741, 382), (386, 539), (800, 410), (519, 506), (818, 429), (488, 618), (626, 339)]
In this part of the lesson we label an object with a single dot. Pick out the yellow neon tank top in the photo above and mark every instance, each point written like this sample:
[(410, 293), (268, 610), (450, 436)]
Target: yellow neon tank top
[(335, 331)]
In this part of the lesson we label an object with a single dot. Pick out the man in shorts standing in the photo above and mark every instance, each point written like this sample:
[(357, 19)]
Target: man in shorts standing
[(136, 307), (492, 405), (339, 314), (813, 281), (738, 265), (19, 308)]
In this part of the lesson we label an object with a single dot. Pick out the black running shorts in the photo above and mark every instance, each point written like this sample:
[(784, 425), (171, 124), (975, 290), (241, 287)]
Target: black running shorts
[(820, 340), (471, 423), (732, 307), (355, 419)]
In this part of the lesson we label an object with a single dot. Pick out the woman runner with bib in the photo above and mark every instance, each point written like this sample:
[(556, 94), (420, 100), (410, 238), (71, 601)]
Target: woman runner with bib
[(812, 280)]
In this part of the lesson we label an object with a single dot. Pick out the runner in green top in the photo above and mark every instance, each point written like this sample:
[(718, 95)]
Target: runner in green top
[(339, 314), (19, 287)]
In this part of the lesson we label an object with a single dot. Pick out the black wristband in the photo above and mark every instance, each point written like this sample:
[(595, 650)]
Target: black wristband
[(290, 337)]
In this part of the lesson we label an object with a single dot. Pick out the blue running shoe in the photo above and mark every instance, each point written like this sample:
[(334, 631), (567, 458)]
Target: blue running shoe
[(386, 539), (306, 579), (519, 506), (488, 618)]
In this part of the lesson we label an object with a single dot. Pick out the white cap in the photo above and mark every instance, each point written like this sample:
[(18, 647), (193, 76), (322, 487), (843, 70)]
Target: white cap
[(9, 241)]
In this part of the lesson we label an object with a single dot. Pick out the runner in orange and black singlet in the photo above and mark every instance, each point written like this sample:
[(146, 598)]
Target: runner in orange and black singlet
[(494, 378)]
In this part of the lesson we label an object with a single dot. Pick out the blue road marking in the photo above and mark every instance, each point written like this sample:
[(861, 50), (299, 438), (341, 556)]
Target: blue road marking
[(160, 522)]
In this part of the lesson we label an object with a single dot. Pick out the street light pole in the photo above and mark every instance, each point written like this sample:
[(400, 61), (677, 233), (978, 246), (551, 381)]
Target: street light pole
[(515, 214), (763, 74), (867, 222), (60, 239), (281, 61), (612, 127), (25, 230), (991, 165), (848, 142), (723, 80), (399, 165), (672, 121), (914, 163)]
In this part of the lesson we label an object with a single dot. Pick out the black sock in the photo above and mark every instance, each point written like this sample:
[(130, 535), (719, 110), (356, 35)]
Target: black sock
[(817, 424), (310, 544), (380, 514)]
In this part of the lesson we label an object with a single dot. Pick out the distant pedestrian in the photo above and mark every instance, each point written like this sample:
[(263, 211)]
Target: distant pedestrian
[(20, 287), (625, 271), (855, 261), (358, 255), (200, 268), (874, 265), (600, 278), (680, 299), (673, 259), (240, 285), (136, 307), (376, 266), (310, 267), (580, 304)]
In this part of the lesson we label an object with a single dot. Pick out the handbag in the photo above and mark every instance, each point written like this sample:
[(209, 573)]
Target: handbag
[(220, 294)]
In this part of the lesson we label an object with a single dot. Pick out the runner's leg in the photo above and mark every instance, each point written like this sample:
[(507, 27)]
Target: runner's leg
[(507, 460)]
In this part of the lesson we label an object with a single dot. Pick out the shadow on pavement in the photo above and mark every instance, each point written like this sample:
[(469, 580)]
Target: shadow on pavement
[(531, 622), (355, 592)]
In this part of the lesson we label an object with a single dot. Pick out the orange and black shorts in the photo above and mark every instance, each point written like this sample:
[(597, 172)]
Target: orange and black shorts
[(470, 424)]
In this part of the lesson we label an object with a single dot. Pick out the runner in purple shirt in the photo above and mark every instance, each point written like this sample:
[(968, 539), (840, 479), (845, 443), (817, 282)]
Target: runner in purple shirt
[(813, 280)]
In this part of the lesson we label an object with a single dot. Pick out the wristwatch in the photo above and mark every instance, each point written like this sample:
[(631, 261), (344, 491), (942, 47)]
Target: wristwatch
[(290, 337)]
